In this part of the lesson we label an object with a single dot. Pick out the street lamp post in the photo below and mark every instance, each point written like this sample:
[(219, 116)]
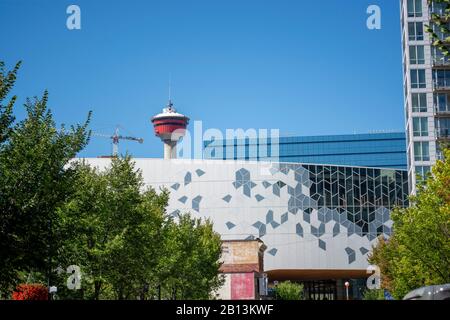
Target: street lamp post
[(347, 284), (52, 290)]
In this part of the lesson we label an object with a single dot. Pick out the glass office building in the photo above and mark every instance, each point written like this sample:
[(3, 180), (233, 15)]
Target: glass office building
[(426, 87), (381, 150)]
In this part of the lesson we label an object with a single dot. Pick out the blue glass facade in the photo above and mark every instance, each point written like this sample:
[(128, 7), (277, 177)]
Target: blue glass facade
[(381, 150)]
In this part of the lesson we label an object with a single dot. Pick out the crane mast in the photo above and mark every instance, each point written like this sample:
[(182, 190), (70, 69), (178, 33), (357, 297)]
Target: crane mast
[(116, 137)]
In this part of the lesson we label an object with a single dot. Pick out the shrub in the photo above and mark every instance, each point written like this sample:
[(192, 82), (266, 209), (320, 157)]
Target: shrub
[(30, 292), (289, 291), (374, 294)]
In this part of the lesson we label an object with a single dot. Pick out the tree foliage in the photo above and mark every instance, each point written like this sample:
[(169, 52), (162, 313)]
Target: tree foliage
[(56, 212), (118, 232), (287, 290), (418, 254), (374, 294), (7, 80), (33, 184), (190, 264), (440, 21)]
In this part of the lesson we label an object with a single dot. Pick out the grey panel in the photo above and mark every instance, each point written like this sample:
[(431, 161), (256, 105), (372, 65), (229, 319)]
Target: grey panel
[(269, 216), (276, 190), (259, 197), (284, 217), (262, 231), (322, 245), (274, 224), (351, 255), (230, 225), (363, 250), (266, 184), (336, 229), (247, 190), (227, 198), (299, 229), (187, 178), (196, 203), (306, 217), (199, 172)]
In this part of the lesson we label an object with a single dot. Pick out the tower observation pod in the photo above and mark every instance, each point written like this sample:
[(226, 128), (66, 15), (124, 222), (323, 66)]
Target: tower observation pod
[(170, 127)]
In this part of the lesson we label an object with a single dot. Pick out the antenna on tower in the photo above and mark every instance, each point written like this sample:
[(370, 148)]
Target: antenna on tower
[(170, 91)]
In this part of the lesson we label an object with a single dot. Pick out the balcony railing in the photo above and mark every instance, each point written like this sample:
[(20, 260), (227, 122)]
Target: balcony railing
[(441, 112), (436, 9), (441, 85), (443, 134), (441, 63)]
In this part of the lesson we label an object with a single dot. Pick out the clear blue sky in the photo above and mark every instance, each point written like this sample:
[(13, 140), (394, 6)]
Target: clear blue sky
[(304, 67)]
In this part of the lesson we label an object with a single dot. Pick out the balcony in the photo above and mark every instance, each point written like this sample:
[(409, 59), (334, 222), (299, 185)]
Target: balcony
[(441, 85), (440, 112), (443, 134), (440, 63), (437, 9)]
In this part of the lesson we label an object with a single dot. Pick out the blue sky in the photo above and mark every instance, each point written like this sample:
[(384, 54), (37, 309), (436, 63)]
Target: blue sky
[(304, 67)]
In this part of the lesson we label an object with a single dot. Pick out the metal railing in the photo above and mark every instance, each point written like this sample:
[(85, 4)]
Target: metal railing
[(444, 112), (441, 63), (443, 134), (441, 85)]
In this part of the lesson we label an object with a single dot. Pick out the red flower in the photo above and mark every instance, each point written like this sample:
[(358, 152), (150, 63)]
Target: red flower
[(34, 291)]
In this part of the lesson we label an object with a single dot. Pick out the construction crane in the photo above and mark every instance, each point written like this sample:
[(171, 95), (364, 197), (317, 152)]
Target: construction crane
[(115, 140)]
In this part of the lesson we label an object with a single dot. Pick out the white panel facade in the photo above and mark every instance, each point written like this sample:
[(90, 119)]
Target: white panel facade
[(273, 202)]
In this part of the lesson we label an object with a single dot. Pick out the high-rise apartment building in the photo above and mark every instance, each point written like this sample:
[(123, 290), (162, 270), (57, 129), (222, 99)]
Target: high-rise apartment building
[(426, 87)]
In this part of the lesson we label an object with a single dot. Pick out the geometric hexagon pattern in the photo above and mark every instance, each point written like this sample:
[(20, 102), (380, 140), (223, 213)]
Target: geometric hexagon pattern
[(314, 203)]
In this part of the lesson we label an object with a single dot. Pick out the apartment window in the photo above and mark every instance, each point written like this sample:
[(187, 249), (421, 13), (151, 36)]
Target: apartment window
[(421, 151), (420, 127), (414, 8), (439, 153), (438, 8), (418, 78), (415, 31), (419, 102), (442, 102), (443, 128), (416, 55), (441, 78), (422, 172), (441, 32), (438, 57)]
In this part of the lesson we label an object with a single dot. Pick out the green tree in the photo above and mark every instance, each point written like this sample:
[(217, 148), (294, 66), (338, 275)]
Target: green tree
[(34, 182), (112, 230), (127, 246), (189, 268), (374, 294), (287, 290), (7, 80), (418, 254)]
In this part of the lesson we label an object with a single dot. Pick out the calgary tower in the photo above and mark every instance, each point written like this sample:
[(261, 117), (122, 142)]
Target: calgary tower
[(170, 127)]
